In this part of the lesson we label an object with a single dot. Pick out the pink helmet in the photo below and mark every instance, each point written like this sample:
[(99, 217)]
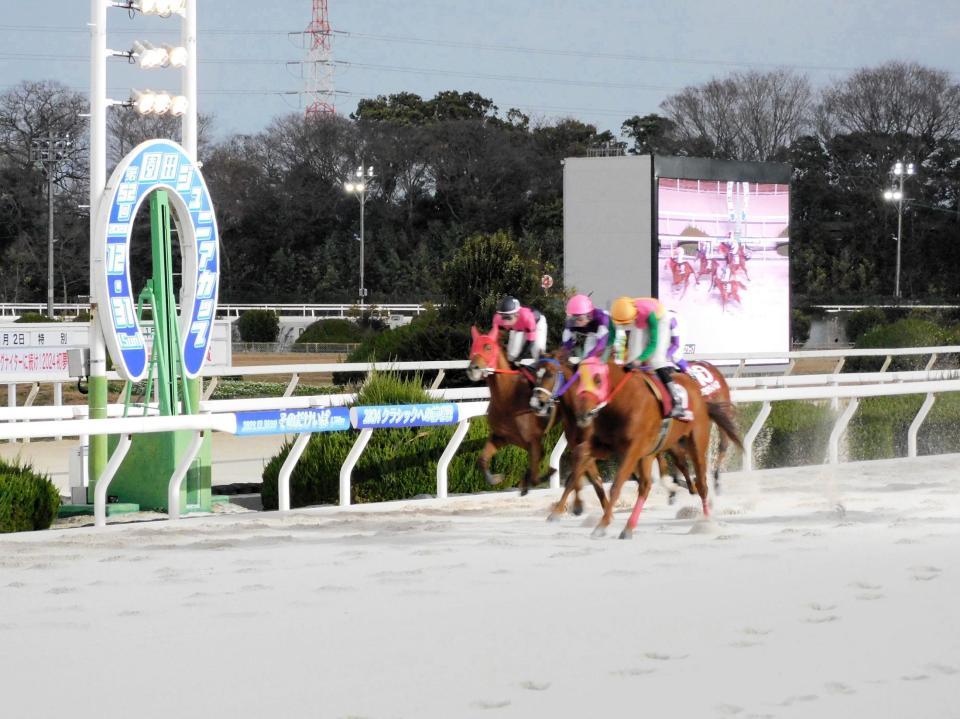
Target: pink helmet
[(579, 305)]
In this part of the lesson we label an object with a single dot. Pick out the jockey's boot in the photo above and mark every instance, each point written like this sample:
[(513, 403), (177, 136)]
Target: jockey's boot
[(677, 411)]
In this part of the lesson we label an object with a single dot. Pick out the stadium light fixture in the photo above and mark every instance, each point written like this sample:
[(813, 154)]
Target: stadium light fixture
[(179, 106), (176, 56), (143, 102), (164, 8), (348, 186)]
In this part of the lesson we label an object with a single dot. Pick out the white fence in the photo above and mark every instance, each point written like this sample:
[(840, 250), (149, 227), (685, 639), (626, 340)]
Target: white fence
[(16, 309), (220, 415)]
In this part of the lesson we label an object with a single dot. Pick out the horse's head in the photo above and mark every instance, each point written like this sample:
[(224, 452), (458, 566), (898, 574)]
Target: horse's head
[(484, 351), (550, 378), (593, 390)]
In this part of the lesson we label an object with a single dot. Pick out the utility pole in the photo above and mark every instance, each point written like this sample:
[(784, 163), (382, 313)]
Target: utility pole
[(50, 153)]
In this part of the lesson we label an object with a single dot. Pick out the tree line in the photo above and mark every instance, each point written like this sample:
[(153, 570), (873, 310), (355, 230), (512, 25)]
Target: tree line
[(456, 165)]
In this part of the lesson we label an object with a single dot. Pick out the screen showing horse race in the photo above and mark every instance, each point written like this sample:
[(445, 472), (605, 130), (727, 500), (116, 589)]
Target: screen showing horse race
[(723, 263)]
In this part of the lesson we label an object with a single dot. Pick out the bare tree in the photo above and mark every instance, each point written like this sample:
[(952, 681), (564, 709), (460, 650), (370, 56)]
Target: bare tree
[(773, 110), (127, 128), (747, 116), (894, 99)]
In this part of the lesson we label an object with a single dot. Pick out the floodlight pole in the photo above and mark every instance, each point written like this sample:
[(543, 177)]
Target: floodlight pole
[(896, 281), (97, 380), (188, 38)]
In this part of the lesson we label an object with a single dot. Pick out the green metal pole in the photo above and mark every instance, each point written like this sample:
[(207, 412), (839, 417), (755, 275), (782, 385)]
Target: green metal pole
[(158, 232)]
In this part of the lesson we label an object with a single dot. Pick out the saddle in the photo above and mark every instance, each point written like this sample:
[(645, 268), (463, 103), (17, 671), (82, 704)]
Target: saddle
[(662, 394)]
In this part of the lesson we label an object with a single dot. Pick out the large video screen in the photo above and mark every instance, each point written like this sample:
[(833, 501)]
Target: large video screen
[(723, 263)]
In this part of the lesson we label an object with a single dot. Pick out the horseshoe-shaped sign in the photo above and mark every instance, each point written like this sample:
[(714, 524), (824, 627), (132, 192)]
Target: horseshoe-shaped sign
[(154, 165)]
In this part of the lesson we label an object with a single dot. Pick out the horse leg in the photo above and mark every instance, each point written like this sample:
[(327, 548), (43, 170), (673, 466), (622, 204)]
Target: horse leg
[(699, 441), (483, 461), (532, 478), (593, 474), (580, 458), (664, 472), (643, 491), (561, 506), (624, 471)]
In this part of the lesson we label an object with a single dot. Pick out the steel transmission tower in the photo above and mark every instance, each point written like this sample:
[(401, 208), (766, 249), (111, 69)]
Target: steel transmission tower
[(319, 65)]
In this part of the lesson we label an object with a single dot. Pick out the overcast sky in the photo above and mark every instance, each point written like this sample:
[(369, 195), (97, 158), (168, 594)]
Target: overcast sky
[(598, 60)]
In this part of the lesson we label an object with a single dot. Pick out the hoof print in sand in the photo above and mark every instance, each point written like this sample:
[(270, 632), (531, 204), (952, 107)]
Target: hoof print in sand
[(535, 686), (484, 704)]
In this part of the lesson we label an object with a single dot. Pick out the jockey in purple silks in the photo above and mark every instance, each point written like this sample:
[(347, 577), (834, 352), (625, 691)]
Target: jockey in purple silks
[(587, 326), (674, 353)]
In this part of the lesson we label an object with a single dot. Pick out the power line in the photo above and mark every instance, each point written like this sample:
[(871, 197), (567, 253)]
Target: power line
[(488, 47)]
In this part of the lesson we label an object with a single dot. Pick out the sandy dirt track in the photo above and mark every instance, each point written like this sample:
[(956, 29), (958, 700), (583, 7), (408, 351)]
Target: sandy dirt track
[(814, 592)]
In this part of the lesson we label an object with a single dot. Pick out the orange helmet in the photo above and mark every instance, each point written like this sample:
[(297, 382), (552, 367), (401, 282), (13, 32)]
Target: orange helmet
[(623, 311)]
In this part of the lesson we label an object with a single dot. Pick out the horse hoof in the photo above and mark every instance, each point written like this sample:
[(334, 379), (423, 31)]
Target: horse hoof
[(627, 533), (553, 517), (494, 479), (671, 498), (523, 491), (600, 531)]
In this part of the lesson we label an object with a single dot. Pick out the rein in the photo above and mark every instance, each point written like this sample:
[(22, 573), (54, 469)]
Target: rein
[(596, 410)]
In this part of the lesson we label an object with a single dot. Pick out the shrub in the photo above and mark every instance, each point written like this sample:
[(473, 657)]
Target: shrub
[(259, 326), (905, 333), (862, 321), (30, 317), (83, 316), (332, 330), (482, 270), (427, 338), (28, 500), (397, 463)]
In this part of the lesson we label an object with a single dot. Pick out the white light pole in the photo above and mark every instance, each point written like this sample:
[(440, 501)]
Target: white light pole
[(895, 194), (359, 187)]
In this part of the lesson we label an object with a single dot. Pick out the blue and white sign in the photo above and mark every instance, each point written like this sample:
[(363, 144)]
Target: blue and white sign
[(403, 415), (153, 165), (293, 421)]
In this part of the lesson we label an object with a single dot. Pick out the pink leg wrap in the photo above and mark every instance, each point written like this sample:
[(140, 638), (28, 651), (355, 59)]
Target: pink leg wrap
[(706, 509), (635, 514)]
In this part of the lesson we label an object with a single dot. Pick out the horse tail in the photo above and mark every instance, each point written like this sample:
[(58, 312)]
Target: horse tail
[(720, 414)]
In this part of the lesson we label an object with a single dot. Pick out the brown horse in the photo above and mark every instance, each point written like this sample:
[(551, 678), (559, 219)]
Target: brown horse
[(555, 376), (552, 373), (620, 410), (682, 273), (509, 415)]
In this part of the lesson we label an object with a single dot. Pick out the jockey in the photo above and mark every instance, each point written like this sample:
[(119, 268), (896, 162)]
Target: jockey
[(674, 353), (586, 325), (528, 329), (650, 336)]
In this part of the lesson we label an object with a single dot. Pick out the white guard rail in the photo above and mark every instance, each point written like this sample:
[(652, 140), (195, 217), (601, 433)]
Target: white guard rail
[(64, 423)]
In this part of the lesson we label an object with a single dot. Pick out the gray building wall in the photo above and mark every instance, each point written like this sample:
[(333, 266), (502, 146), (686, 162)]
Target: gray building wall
[(607, 226)]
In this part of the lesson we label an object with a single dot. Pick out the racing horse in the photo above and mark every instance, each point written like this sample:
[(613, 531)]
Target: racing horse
[(620, 410), (509, 415), (682, 273), (554, 380)]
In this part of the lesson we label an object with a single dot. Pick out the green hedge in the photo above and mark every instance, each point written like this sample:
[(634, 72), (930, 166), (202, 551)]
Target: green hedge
[(28, 500), (259, 326), (397, 463), (32, 317), (332, 331)]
